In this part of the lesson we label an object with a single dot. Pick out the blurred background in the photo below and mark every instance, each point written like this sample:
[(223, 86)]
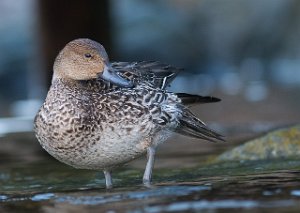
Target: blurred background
[(245, 52)]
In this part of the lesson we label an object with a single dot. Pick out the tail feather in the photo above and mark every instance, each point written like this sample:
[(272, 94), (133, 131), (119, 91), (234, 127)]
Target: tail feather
[(196, 99), (190, 125)]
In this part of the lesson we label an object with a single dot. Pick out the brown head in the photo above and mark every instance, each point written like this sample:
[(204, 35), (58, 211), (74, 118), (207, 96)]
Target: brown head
[(85, 59)]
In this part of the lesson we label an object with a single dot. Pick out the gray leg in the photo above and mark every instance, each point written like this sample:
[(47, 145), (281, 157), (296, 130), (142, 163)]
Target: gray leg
[(149, 166), (108, 179)]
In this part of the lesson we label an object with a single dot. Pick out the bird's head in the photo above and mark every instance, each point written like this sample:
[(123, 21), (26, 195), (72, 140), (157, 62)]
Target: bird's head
[(85, 59)]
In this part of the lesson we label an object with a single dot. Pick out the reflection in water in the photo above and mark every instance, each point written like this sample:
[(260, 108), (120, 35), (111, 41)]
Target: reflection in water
[(221, 204), (159, 192), (40, 197), (295, 192)]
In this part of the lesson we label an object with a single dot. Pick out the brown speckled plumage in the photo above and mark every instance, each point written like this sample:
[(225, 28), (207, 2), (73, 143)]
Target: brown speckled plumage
[(91, 123)]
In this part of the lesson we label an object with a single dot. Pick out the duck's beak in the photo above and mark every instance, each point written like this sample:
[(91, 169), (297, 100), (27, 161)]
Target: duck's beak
[(110, 74)]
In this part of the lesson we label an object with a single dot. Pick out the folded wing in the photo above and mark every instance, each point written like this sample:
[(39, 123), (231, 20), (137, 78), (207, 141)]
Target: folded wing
[(155, 73)]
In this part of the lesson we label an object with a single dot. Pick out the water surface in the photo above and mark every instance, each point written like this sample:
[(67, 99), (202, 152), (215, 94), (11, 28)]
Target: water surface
[(31, 182)]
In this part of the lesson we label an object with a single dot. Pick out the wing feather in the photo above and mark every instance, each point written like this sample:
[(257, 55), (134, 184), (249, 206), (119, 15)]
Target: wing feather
[(157, 74)]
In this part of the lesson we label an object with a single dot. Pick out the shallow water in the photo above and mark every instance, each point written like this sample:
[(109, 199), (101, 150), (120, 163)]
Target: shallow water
[(41, 184)]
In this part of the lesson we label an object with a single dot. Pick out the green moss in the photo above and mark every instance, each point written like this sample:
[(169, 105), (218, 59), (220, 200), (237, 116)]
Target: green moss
[(277, 144)]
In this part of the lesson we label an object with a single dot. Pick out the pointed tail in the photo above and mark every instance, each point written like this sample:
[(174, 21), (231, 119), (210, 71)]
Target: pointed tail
[(196, 99), (192, 126)]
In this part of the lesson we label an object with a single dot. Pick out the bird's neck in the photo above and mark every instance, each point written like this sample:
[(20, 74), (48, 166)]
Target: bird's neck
[(91, 86)]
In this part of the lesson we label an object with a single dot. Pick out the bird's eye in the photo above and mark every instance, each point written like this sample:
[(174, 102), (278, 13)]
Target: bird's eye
[(88, 55)]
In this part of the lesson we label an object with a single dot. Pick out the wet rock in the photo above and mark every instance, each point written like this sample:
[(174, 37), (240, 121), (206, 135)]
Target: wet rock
[(277, 144)]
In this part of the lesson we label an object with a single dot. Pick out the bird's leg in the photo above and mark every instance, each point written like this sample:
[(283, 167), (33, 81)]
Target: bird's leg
[(149, 166), (108, 180)]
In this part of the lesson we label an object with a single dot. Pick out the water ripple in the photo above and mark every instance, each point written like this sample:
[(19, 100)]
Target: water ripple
[(138, 195), (224, 204)]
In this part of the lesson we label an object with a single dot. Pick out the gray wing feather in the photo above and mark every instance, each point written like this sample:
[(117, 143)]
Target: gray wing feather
[(153, 72)]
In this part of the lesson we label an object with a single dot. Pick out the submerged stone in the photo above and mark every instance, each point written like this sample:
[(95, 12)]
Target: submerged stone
[(281, 143)]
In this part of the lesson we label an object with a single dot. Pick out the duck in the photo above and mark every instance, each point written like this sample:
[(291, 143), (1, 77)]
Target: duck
[(100, 115)]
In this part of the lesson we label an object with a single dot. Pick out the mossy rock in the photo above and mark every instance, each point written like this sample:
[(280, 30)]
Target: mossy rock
[(281, 143)]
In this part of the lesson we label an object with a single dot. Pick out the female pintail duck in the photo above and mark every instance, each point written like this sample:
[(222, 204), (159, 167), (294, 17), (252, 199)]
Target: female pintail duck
[(100, 115)]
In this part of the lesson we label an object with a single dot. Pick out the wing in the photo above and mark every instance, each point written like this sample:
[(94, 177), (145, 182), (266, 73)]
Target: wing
[(157, 74)]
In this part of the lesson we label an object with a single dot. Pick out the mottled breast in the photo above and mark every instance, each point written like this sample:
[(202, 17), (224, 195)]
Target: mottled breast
[(89, 129)]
